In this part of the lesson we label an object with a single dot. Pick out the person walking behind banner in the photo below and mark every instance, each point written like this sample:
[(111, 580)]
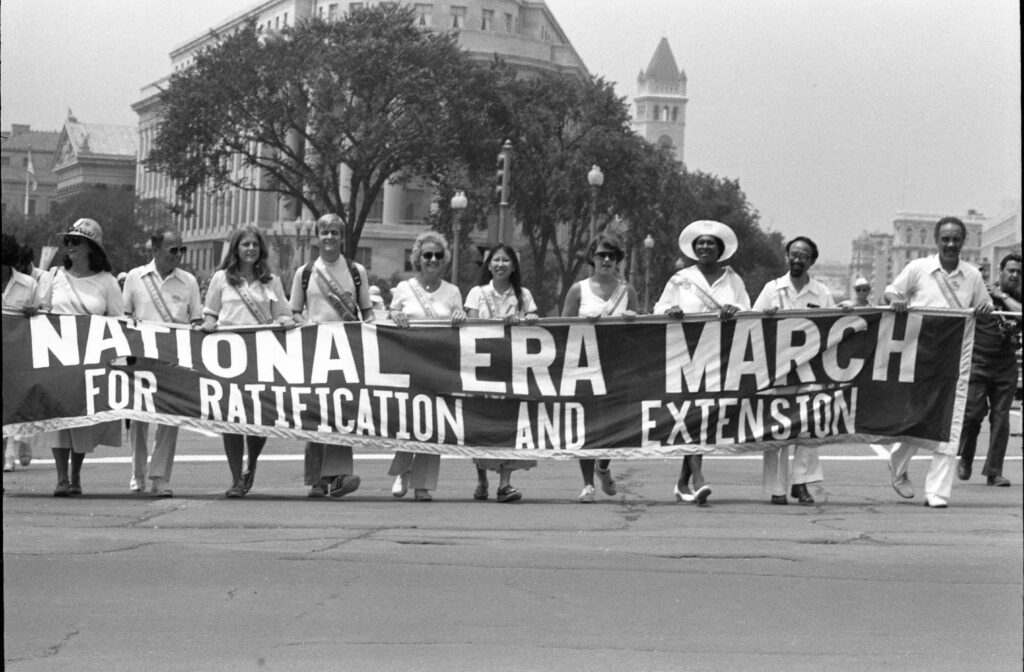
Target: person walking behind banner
[(603, 294), (426, 296), (794, 291), (707, 287), (993, 376), (941, 280), (501, 296), (83, 285), (159, 291), (21, 294), (244, 292), (330, 289), (861, 294)]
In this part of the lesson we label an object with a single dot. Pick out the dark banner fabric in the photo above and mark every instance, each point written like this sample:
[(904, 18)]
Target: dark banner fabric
[(649, 387)]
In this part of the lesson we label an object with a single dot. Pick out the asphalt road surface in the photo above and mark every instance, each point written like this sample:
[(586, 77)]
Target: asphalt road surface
[(862, 580)]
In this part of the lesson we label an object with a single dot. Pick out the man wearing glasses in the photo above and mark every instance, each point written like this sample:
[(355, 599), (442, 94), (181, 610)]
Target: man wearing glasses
[(160, 291), (861, 292), (796, 290)]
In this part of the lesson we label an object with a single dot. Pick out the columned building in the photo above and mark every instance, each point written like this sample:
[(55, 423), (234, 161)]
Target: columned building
[(1000, 237), (17, 143), (524, 33), (660, 103), (94, 156)]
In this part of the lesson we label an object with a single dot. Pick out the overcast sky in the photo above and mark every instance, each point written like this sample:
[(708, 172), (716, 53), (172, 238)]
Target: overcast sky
[(832, 114)]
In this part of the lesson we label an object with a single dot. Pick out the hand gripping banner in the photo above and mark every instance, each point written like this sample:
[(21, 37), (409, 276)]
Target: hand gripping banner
[(650, 387)]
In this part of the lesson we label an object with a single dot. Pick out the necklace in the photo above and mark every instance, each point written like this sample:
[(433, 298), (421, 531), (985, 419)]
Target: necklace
[(430, 286)]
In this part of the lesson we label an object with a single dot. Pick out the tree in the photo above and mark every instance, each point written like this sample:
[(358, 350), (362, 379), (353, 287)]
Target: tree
[(325, 113)]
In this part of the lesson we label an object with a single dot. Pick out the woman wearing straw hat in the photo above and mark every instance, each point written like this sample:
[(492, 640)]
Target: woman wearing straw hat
[(83, 286), (706, 287)]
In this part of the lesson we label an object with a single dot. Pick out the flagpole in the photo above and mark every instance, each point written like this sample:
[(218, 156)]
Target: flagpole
[(26, 180)]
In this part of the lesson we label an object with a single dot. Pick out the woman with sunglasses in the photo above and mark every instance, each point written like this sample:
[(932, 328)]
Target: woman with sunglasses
[(243, 292), (501, 296), (83, 285), (707, 287), (425, 296), (603, 294)]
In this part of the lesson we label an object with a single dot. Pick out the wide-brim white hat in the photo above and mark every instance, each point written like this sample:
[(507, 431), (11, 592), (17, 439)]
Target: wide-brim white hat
[(708, 227), (87, 228)]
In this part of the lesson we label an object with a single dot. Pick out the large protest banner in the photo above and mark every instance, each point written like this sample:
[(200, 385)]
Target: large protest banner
[(561, 388)]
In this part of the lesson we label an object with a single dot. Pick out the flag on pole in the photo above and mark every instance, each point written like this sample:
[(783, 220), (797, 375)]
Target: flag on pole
[(30, 180), (30, 173)]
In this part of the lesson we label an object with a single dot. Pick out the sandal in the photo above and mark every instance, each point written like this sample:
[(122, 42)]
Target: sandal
[(508, 494), (480, 493), (63, 489), (247, 480)]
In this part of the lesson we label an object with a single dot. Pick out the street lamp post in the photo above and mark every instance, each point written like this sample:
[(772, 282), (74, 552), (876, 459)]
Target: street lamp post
[(648, 251), (596, 178), (459, 203)]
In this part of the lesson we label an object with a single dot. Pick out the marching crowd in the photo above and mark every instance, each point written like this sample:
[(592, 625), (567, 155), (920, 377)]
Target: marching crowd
[(245, 291)]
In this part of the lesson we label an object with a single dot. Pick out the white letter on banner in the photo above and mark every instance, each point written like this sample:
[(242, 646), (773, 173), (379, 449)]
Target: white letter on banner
[(183, 337), (470, 360), (257, 407), (339, 412), (210, 393), (237, 358), (524, 431), (332, 337), (539, 362), (145, 388), (646, 424), (777, 409), (747, 331), (705, 361), (236, 406), (286, 360), (548, 426), (148, 332), (830, 357), (751, 416), (382, 406), (91, 391), (905, 348), (446, 419), (298, 405), (847, 413), (402, 399), (581, 339), (575, 423), (46, 340), (97, 343), (422, 418), (371, 362), (364, 416), (679, 428), (118, 390), (787, 353), (724, 404)]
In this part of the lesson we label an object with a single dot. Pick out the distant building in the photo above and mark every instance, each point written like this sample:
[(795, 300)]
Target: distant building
[(833, 275), (16, 146), (524, 33), (660, 103), (880, 257), (1001, 236), (94, 156)]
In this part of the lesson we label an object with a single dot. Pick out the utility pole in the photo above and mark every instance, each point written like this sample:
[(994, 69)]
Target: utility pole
[(503, 187)]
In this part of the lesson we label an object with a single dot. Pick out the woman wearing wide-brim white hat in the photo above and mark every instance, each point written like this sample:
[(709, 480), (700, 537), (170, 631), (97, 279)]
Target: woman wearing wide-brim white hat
[(706, 287), (83, 285)]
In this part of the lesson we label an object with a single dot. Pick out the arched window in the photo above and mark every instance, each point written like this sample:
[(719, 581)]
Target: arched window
[(675, 114)]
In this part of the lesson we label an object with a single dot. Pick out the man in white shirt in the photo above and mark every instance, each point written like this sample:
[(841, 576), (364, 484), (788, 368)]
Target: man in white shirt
[(162, 292), (330, 289), (939, 281), (794, 291)]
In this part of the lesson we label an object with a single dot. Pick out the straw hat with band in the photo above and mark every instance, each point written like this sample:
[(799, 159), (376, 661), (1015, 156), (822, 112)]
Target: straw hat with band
[(88, 229), (707, 227), (861, 282)]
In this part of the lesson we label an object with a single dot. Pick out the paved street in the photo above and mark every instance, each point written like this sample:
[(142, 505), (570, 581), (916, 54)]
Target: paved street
[(861, 581)]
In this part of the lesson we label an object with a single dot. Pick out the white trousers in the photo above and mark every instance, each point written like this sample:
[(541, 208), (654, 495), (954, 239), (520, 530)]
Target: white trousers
[(423, 469), (164, 443), (939, 480), (776, 475)]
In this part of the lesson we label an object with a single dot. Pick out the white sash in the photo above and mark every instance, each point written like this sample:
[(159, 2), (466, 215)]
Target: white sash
[(157, 298), (424, 298), (340, 300)]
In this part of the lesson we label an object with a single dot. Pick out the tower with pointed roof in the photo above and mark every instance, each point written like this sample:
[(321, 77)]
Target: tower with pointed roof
[(660, 103)]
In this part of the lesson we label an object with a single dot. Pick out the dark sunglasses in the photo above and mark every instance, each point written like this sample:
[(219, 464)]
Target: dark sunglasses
[(607, 255), (177, 250), (430, 256), (861, 289), (73, 241)]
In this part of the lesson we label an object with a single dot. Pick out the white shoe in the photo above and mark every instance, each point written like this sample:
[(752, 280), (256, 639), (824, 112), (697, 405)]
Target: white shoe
[(401, 485), (683, 496), (8, 464), (607, 482), (935, 502), (587, 496), (135, 485)]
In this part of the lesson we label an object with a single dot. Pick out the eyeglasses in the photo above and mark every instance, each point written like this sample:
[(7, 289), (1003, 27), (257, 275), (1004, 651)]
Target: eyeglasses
[(799, 256), (177, 250), (607, 256), (861, 290), (430, 256), (73, 241)]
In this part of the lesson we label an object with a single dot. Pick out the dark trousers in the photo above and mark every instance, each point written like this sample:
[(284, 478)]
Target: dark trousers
[(993, 382)]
